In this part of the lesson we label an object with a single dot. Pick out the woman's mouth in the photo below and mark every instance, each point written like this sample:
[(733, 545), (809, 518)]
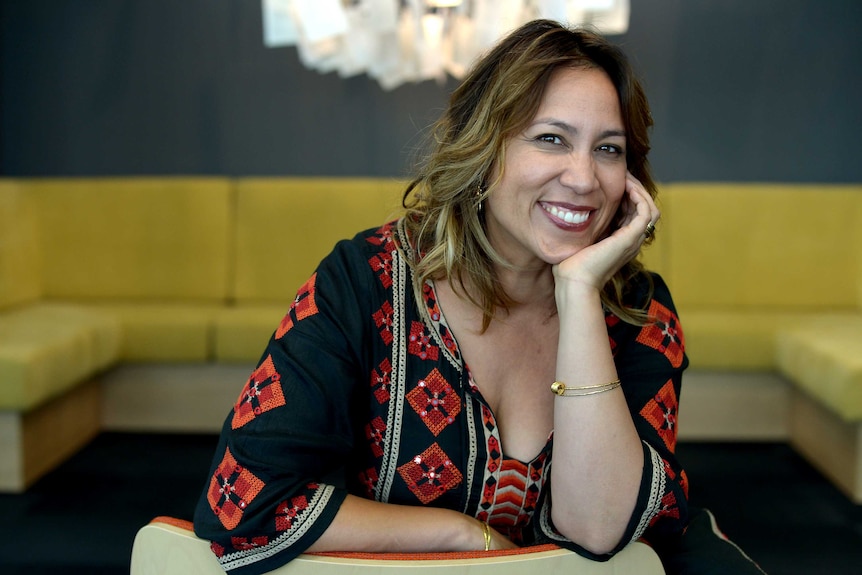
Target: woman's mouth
[(573, 217)]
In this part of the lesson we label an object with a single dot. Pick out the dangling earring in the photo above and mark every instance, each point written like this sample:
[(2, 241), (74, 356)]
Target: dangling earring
[(480, 191)]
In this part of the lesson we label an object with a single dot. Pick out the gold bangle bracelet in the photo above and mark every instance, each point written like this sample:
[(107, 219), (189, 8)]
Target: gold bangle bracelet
[(560, 388), (486, 532)]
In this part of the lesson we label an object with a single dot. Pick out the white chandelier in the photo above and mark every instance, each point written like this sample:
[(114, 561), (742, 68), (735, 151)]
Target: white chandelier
[(398, 41)]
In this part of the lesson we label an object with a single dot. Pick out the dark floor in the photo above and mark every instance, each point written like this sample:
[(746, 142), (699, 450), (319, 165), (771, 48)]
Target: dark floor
[(82, 518)]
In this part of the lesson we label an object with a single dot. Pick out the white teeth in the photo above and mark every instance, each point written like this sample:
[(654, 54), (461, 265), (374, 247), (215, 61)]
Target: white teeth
[(567, 216)]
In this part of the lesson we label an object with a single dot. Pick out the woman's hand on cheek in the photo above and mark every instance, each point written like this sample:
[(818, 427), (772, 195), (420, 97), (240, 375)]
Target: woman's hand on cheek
[(594, 265)]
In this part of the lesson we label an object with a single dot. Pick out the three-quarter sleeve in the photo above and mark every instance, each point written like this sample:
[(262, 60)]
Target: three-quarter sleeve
[(649, 360), (278, 474)]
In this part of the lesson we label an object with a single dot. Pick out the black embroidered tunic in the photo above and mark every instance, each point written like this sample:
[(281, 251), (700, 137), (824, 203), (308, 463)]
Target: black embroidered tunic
[(362, 390)]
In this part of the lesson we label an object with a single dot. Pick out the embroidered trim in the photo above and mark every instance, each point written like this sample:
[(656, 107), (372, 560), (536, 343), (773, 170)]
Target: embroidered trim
[(439, 326), (394, 423), (473, 444), (494, 459), (657, 488), (545, 515), (654, 503), (254, 554), (435, 401)]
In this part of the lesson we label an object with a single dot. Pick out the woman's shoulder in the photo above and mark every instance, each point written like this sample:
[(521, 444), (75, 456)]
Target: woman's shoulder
[(645, 293), (658, 336), (367, 254), (384, 237), (645, 288), (367, 243)]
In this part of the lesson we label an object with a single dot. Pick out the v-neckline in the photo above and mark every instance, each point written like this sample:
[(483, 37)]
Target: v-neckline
[(438, 318)]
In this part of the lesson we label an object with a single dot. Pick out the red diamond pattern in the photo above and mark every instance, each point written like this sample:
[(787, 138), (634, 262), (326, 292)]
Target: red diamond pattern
[(435, 401), (430, 474), (384, 237), (382, 266), (669, 508), (303, 306), (383, 320), (420, 343), (661, 413), (381, 380), (368, 479), (374, 433), (664, 334), (246, 543), (287, 512), (261, 393), (232, 488)]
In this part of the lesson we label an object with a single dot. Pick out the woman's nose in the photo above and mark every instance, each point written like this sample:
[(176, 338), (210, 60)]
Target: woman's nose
[(579, 172)]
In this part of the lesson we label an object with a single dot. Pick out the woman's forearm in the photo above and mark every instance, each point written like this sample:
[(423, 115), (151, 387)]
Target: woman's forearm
[(370, 526), (598, 458)]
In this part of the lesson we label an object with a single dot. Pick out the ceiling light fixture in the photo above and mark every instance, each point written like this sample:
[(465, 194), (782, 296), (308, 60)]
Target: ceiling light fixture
[(398, 41)]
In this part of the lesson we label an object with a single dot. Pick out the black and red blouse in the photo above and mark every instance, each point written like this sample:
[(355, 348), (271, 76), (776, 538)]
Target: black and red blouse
[(362, 390)]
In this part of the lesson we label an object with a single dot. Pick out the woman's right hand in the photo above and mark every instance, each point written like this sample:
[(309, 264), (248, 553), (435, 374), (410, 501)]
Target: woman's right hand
[(594, 265)]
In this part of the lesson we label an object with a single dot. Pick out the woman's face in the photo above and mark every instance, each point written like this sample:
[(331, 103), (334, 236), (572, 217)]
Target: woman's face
[(564, 175)]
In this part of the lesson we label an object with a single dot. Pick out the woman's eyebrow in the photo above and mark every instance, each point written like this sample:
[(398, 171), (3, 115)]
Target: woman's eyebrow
[(566, 127)]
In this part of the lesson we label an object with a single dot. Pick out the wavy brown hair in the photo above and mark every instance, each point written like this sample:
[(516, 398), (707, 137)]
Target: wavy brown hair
[(496, 102)]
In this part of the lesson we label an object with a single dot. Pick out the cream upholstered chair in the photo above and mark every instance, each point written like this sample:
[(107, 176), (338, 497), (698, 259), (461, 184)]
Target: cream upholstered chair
[(168, 546)]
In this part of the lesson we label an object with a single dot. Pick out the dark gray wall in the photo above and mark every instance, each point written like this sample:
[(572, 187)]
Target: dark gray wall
[(742, 90)]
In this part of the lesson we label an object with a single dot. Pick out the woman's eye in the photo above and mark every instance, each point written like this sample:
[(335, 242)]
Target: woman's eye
[(611, 149), (550, 139)]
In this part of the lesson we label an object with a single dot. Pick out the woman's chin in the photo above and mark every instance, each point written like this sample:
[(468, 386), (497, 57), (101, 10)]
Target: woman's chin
[(557, 257)]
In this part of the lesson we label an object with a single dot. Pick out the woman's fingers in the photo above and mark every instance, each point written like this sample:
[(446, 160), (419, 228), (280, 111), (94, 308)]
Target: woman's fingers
[(596, 264), (645, 214)]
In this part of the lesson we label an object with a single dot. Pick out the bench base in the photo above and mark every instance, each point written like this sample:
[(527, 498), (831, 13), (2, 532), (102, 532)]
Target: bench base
[(733, 406), (716, 406), (829, 443), (171, 398), (196, 398), (35, 442)]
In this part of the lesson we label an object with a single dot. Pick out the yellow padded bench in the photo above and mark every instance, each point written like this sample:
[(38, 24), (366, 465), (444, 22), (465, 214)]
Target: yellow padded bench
[(824, 362), (105, 281), (94, 272), (284, 227), (745, 261), (47, 352), (153, 252), (132, 297), (47, 348)]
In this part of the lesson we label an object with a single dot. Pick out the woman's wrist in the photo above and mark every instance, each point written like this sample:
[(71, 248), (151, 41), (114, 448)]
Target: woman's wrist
[(474, 535), (572, 295), (486, 535)]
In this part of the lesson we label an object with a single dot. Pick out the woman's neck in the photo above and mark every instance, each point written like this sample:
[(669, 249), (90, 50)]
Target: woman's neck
[(529, 288)]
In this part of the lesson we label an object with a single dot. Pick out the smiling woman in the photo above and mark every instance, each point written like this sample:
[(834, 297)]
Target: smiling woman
[(491, 111), (565, 175), (411, 398)]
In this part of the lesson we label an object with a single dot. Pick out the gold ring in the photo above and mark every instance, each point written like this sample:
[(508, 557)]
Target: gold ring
[(650, 230)]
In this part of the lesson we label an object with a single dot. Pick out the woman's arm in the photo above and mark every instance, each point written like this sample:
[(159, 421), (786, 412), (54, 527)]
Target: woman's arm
[(598, 456), (365, 525)]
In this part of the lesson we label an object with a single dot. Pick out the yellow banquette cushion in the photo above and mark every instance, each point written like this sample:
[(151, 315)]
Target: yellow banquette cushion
[(199, 269), (745, 261), (284, 227)]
